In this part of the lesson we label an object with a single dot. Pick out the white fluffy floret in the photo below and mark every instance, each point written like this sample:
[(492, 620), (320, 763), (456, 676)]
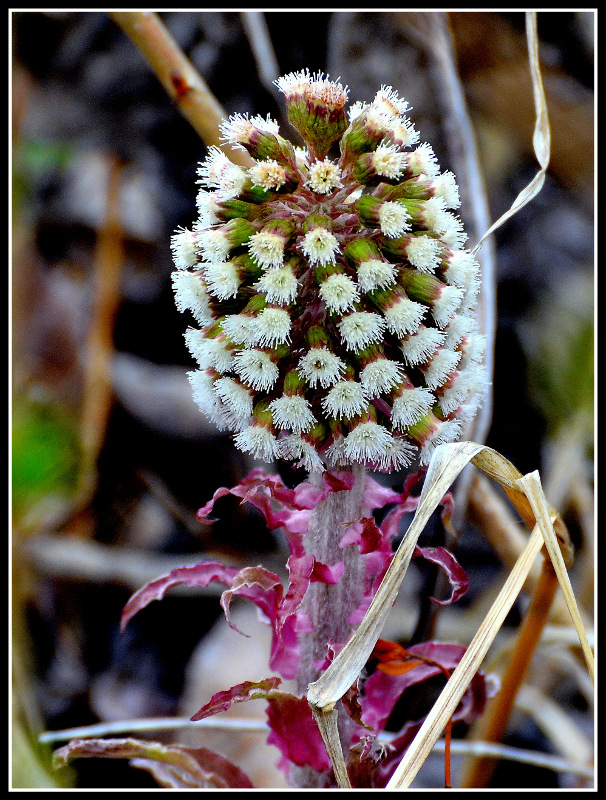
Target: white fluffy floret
[(240, 328), (267, 248), (445, 186), (339, 292), (295, 447), (214, 244), (218, 172), (418, 347), (203, 393), (345, 399), (361, 329), (279, 284), (441, 367), (239, 127), (388, 161), (375, 274), (389, 102), (320, 246), (209, 353), (238, 398), (423, 252), (259, 442), (273, 327), (367, 442), (445, 306), (380, 376), (191, 295), (256, 368), (222, 279), (398, 453), (410, 406), (268, 174), (461, 268), (423, 161), (320, 366), (184, 248), (293, 412), (404, 316), (394, 219), (324, 177), (458, 328), (206, 203)]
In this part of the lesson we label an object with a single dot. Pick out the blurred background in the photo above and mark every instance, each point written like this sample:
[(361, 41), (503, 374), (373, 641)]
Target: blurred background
[(110, 456)]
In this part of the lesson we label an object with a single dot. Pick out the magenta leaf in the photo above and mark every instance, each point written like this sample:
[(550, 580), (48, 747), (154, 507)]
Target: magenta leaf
[(199, 575), (281, 507), (242, 692), (295, 732), (382, 691), (454, 571), (172, 765), (293, 729)]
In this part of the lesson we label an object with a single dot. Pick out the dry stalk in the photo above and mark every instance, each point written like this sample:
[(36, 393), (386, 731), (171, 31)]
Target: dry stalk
[(453, 691), (97, 391)]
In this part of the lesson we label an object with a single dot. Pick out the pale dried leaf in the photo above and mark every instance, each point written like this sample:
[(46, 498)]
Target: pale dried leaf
[(446, 704), (532, 486), (541, 138)]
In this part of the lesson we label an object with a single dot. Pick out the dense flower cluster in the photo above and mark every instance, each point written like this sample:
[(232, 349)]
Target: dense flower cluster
[(334, 296)]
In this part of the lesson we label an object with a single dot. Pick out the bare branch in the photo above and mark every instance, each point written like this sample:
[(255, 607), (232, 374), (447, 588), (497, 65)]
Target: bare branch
[(177, 75)]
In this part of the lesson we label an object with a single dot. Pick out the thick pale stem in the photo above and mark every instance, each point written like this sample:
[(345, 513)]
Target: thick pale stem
[(330, 606)]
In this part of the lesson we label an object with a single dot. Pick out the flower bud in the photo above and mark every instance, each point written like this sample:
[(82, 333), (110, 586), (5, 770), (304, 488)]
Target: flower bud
[(315, 107)]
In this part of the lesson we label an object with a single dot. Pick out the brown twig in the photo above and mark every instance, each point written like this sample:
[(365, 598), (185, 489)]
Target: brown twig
[(97, 392), (178, 76)]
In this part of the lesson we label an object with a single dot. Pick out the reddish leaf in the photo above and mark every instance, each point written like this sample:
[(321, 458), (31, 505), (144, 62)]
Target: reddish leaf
[(338, 481), (199, 575), (295, 733), (385, 651), (382, 691), (293, 729), (242, 692), (172, 765), (454, 571)]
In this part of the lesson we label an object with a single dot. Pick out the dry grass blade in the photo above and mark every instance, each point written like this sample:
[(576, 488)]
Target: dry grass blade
[(531, 484), (541, 138), (446, 704), (326, 720)]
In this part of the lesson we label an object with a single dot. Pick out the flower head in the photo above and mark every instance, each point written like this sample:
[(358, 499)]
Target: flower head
[(333, 296)]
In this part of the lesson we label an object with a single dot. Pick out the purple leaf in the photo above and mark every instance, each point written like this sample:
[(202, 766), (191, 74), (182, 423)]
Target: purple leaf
[(295, 732), (172, 765), (242, 692), (199, 575), (382, 691), (293, 729), (454, 571)]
